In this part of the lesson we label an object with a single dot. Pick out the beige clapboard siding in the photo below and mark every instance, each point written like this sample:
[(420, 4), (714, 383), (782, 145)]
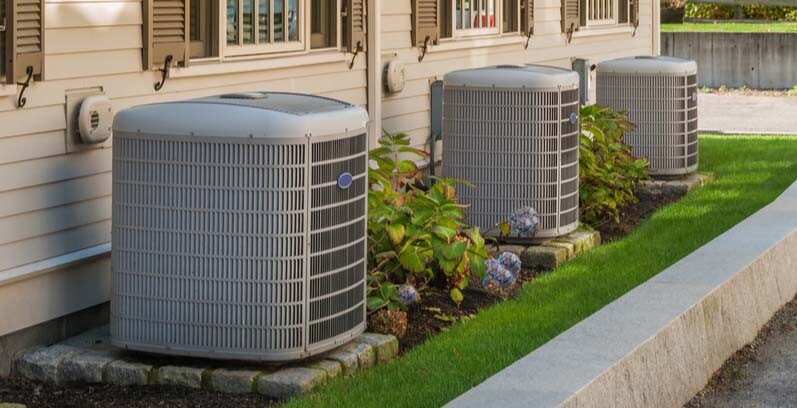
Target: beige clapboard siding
[(43, 222), (33, 146), (54, 194), (47, 170), (51, 245)]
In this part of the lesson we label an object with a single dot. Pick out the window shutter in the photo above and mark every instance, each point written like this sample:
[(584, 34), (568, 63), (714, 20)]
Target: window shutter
[(357, 25), (166, 32), (24, 38), (634, 13), (3, 22), (571, 15), (425, 22), (527, 17)]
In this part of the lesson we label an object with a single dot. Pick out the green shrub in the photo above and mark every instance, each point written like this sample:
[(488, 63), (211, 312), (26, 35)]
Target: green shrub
[(416, 236), (607, 169), (753, 12)]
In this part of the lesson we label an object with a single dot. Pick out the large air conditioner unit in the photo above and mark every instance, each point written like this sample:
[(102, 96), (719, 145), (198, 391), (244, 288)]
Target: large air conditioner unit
[(512, 131), (660, 95), (239, 226)]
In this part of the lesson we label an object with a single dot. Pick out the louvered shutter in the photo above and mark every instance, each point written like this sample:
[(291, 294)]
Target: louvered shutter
[(634, 13), (24, 39), (3, 23), (425, 22), (571, 15), (166, 32), (527, 16), (623, 17), (357, 25)]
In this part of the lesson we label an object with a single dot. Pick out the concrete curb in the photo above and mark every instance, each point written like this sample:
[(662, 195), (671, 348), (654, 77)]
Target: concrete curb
[(659, 344)]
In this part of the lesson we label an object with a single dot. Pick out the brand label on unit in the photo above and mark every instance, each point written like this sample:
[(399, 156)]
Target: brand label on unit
[(345, 180)]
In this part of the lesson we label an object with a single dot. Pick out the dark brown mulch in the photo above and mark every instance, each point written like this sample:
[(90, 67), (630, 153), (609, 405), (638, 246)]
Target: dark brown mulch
[(35, 394), (734, 370), (634, 215)]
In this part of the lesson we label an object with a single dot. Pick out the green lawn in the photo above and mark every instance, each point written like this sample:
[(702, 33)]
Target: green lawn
[(751, 172), (790, 27)]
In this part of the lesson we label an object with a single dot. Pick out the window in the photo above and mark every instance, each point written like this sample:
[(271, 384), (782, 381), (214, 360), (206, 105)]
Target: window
[(601, 13), (231, 28), (264, 25), (462, 18)]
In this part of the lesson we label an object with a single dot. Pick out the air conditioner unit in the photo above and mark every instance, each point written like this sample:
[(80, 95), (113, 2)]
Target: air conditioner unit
[(512, 131), (239, 226), (660, 95)]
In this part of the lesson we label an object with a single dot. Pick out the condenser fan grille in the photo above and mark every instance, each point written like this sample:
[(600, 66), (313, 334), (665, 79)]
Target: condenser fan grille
[(664, 109), (519, 148)]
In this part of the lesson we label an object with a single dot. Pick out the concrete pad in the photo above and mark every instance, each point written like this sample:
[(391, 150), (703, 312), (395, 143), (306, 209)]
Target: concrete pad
[(660, 343)]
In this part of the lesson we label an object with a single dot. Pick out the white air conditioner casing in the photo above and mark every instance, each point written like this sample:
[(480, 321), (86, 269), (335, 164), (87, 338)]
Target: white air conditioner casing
[(239, 226), (660, 95), (512, 131)]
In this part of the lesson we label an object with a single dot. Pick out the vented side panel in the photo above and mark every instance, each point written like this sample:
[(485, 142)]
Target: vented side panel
[(664, 109), (337, 240), (519, 148), (209, 246)]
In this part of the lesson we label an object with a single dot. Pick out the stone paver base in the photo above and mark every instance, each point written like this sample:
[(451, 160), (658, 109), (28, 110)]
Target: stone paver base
[(89, 358), (551, 253), (682, 185)]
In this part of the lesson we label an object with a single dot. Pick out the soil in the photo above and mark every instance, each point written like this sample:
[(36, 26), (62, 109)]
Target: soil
[(633, 215), (35, 394), (731, 376)]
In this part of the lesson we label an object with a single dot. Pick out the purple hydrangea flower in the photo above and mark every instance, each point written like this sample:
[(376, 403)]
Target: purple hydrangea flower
[(510, 262), (496, 272), (525, 221), (407, 294)]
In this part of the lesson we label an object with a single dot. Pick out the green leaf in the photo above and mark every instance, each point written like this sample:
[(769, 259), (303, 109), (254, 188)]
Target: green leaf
[(411, 260), (396, 233), (444, 233), (454, 250), (456, 296), (475, 236), (478, 267), (376, 303)]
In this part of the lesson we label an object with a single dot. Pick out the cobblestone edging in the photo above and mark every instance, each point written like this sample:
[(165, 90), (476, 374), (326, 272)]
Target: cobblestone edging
[(89, 358)]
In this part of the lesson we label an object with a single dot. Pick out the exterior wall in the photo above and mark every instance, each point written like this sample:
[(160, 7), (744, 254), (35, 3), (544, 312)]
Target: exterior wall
[(53, 202), (409, 110), (755, 60)]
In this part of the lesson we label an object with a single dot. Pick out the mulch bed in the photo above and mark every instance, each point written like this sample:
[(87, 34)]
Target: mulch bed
[(435, 314), (35, 394)]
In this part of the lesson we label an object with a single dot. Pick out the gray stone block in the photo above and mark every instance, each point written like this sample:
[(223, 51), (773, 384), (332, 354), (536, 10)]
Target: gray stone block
[(583, 240), (543, 257), (233, 381), (568, 246), (386, 346), (333, 368), (366, 355), (86, 367), (121, 372), (346, 357), (181, 376), (42, 364), (289, 382)]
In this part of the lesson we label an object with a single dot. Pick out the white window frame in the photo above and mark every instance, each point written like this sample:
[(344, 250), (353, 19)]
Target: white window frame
[(250, 49), (602, 13), (479, 31)]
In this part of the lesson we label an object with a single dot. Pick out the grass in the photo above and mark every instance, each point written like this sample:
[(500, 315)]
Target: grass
[(750, 171), (784, 27)]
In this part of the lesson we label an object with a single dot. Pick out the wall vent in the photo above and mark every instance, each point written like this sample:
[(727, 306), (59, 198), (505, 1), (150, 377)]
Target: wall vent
[(660, 95), (512, 131), (239, 227)]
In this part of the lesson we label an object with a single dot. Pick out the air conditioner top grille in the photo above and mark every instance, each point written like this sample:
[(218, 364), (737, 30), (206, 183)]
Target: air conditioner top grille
[(647, 65), (272, 115), (531, 77)]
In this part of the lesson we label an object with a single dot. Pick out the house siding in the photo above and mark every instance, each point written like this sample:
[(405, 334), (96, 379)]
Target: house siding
[(53, 202)]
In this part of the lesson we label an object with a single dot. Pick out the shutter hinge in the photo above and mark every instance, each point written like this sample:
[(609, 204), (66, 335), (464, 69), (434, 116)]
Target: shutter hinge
[(22, 99), (167, 66), (570, 32), (425, 48), (528, 38), (356, 52)]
